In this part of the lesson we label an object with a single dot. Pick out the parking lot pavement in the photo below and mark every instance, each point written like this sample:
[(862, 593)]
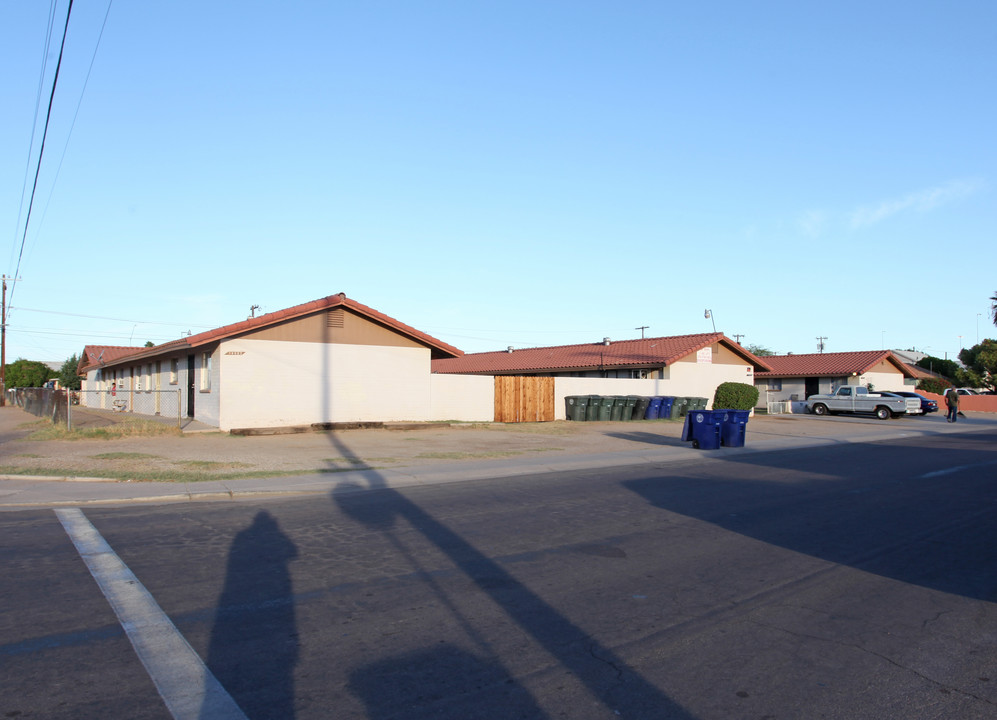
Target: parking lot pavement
[(67, 472)]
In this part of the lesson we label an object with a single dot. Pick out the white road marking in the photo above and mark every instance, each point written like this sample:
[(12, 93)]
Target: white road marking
[(188, 688), (957, 468)]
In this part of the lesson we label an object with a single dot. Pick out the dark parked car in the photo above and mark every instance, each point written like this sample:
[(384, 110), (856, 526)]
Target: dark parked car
[(927, 406)]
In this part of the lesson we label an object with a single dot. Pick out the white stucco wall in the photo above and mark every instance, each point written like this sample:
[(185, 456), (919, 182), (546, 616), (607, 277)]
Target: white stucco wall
[(268, 383), (886, 381), (465, 398), (684, 380)]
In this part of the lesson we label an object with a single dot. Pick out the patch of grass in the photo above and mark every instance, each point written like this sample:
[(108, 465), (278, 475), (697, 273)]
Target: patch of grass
[(28, 455), (165, 475), (132, 428), (211, 464), (558, 427), (123, 456), (468, 455)]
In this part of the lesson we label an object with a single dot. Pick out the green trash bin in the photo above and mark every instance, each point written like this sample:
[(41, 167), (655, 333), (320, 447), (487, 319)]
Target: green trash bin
[(701, 403), (641, 409), (606, 404), (619, 404), (592, 411), (575, 407), (629, 407), (683, 403)]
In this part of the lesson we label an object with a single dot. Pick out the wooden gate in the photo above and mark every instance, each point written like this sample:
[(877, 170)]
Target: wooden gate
[(524, 399)]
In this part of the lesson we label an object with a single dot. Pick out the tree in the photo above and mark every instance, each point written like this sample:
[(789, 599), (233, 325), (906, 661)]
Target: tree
[(148, 343), (948, 368), (759, 350), (27, 373), (981, 365), (67, 374), (993, 307)]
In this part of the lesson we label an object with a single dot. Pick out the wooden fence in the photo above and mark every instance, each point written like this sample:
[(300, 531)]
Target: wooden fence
[(524, 399)]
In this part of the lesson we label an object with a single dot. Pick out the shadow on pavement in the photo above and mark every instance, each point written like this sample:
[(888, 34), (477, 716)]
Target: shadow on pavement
[(649, 438), (919, 514), (391, 687), (254, 641)]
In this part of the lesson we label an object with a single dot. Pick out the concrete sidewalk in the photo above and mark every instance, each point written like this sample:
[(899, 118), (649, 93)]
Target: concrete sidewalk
[(394, 459)]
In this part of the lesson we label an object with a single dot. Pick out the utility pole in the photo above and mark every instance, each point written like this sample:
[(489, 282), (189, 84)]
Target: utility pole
[(3, 345), (737, 337), (642, 328), (820, 343)]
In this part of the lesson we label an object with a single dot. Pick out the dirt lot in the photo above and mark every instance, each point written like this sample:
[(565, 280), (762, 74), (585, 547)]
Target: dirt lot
[(216, 455), (223, 454)]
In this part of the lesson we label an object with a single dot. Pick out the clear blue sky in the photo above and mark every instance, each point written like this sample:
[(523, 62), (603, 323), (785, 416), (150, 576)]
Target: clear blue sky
[(506, 173)]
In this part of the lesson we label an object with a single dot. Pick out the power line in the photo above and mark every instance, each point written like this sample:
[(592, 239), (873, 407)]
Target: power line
[(76, 114), (41, 149), (185, 323)]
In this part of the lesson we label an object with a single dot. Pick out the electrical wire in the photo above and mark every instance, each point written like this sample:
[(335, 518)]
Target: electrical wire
[(34, 122), (76, 114), (41, 150), (113, 319)]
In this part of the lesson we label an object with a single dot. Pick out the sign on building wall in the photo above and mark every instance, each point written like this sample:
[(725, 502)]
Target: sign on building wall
[(705, 355)]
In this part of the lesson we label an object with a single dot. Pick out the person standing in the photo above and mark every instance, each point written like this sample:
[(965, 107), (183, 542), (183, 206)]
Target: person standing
[(952, 403)]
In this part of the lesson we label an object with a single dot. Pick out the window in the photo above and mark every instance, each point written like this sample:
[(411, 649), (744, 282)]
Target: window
[(205, 371), (174, 372), (774, 384)]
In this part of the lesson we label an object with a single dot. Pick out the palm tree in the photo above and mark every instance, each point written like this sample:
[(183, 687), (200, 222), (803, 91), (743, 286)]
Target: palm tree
[(993, 307)]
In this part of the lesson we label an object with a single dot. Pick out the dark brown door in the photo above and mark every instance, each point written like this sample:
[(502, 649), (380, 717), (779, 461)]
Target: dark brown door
[(190, 386)]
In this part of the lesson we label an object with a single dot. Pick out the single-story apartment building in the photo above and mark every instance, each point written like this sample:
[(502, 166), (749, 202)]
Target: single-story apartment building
[(680, 365), (794, 378), (326, 361)]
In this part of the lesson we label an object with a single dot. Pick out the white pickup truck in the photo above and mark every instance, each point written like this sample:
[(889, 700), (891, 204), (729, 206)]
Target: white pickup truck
[(857, 399)]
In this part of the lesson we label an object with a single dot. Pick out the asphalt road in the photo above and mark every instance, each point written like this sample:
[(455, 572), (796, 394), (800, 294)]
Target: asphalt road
[(851, 581)]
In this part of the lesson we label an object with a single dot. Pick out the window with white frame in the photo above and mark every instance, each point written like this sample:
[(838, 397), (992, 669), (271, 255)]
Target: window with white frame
[(174, 371), (205, 371)]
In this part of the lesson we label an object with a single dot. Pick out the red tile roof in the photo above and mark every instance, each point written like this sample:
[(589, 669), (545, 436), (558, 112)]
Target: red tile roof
[(830, 364), (646, 352), (438, 347), (94, 355)]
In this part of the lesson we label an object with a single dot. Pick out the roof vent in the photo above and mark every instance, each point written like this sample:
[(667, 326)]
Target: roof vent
[(605, 341), (509, 349), (335, 318)]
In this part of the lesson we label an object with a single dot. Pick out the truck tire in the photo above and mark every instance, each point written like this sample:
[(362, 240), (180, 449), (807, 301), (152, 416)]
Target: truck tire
[(883, 412), (819, 409)]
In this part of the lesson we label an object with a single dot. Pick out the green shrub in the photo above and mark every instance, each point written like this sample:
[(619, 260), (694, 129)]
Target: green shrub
[(735, 396), (934, 385)]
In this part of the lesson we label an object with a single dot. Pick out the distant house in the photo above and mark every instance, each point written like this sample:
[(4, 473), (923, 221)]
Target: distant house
[(797, 377), (687, 365), (326, 361)]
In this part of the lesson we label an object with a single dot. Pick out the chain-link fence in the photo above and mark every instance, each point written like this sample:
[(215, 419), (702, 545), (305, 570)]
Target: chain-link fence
[(95, 408)]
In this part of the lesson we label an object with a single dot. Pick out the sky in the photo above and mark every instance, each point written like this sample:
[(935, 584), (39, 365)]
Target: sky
[(503, 174)]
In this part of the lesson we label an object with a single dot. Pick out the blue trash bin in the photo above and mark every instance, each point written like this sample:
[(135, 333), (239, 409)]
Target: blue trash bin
[(665, 413), (653, 409), (735, 427), (703, 427)]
